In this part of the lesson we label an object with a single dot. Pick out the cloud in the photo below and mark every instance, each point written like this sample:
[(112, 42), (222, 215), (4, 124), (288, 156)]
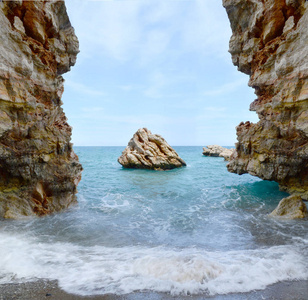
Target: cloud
[(206, 29), (137, 120), (156, 42), (211, 113), (143, 30), (157, 82), (108, 27), (226, 88), (160, 63), (83, 89), (164, 82)]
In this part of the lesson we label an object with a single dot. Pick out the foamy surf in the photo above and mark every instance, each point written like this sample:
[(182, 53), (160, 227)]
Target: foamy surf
[(191, 271)]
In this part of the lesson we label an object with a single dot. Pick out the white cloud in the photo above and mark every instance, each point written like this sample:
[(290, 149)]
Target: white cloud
[(156, 43), (211, 113), (160, 11), (137, 120), (142, 29), (161, 65), (157, 82), (109, 27), (166, 83), (206, 30), (226, 88), (83, 89)]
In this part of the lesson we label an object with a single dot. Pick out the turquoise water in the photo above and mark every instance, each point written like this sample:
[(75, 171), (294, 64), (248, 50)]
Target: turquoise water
[(195, 230)]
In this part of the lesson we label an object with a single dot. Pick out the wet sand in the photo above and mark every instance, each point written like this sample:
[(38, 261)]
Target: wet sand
[(40, 290)]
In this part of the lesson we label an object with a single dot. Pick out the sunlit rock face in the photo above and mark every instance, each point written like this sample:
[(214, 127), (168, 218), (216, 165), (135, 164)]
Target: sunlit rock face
[(290, 208), (39, 171), (216, 150), (270, 44), (149, 151)]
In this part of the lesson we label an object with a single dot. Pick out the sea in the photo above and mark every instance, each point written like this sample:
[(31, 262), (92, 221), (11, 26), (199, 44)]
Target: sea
[(196, 230)]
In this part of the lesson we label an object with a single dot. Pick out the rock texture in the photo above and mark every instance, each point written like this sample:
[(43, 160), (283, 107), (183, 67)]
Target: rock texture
[(226, 154), (215, 150), (270, 44), (39, 171), (291, 207), (149, 151)]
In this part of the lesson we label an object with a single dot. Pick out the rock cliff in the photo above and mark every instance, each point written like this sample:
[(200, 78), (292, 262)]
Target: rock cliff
[(270, 44), (149, 151), (39, 171)]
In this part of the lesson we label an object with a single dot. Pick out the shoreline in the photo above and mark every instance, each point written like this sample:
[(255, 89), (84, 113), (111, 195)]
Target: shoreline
[(46, 289)]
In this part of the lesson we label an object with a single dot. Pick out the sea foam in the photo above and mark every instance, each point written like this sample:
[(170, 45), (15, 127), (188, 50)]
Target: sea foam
[(101, 270)]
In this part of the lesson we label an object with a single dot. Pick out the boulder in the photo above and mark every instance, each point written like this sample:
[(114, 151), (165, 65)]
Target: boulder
[(215, 150), (291, 207), (149, 151)]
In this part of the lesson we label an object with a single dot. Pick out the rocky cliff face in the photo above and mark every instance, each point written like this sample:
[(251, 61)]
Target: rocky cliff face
[(39, 171), (270, 44)]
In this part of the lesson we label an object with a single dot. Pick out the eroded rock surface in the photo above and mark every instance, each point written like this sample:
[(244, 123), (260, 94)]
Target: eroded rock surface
[(270, 44), (149, 151), (215, 150), (39, 171), (291, 207)]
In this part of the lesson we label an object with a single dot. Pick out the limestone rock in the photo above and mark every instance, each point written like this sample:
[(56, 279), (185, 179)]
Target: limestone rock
[(149, 151), (215, 150), (226, 153), (291, 207), (270, 44), (212, 150), (39, 170)]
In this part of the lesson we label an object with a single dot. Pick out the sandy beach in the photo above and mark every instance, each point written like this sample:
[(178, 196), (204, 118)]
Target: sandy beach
[(39, 290)]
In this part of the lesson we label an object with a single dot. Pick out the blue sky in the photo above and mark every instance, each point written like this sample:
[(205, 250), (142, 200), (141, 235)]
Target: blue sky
[(160, 64)]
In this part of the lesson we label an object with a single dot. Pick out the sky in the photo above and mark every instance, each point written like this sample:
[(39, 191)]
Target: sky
[(159, 64)]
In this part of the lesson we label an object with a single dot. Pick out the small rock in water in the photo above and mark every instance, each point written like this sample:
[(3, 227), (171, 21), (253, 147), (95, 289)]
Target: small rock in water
[(215, 150), (149, 151), (291, 207)]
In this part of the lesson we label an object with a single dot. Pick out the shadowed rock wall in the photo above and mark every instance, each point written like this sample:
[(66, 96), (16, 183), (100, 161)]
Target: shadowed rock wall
[(270, 44), (39, 171)]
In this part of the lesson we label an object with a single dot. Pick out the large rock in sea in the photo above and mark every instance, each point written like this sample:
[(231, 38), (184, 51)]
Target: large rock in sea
[(215, 150), (39, 170), (270, 44), (149, 151), (291, 207)]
